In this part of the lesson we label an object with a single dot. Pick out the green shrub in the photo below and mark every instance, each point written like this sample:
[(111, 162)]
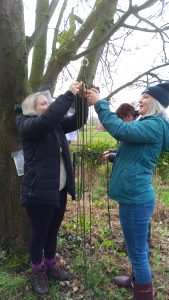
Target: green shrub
[(163, 166), (92, 153)]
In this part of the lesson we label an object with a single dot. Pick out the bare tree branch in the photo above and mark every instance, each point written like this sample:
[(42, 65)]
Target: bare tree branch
[(147, 4), (43, 25), (70, 45), (94, 57), (58, 24), (132, 10), (156, 30), (135, 80)]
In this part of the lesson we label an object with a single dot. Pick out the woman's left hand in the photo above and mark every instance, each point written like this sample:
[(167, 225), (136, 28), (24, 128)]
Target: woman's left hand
[(75, 87), (93, 96)]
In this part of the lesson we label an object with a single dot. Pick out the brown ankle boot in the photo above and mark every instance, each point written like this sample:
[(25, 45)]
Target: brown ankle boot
[(124, 281), (57, 272), (40, 282), (143, 291)]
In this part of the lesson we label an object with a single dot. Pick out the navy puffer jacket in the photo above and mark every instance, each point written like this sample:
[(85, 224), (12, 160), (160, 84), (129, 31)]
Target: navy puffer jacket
[(42, 136)]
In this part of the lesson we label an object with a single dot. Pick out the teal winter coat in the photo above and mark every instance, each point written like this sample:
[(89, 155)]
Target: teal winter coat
[(142, 142)]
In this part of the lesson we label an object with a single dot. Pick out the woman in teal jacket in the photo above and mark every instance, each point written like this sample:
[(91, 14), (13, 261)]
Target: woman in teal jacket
[(131, 185)]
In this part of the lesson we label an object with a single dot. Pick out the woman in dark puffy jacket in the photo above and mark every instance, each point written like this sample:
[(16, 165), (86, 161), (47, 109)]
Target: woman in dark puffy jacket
[(48, 175)]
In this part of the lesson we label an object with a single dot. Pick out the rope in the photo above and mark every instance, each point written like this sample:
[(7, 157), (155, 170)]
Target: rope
[(84, 185), (108, 200), (84, 189)]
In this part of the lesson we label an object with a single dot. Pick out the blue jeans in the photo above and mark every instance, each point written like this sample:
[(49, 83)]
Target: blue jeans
[(134, 221)]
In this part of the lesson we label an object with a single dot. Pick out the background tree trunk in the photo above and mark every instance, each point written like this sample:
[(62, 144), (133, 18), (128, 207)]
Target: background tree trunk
[(39, 51), (13, 62)]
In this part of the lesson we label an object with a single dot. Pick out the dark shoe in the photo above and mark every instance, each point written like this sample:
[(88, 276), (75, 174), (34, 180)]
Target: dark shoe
[(143, 291), (57, 272), (40, 282), (124, 281)]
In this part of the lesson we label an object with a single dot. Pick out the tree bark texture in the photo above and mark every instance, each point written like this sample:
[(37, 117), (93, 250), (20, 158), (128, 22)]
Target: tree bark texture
[(70, 45), (39, 51), (13, 78), (94, 55)]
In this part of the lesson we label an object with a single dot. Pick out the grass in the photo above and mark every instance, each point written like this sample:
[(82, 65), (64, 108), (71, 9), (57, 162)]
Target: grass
[(103, 135), (93, 251), (11, 284), (165, 196), (97, 136)]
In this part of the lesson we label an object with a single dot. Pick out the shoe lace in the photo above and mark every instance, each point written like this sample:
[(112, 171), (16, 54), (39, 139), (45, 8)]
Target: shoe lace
[(41, 278)]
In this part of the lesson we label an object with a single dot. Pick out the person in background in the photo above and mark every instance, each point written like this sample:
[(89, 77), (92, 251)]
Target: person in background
[(127, 113), (131, 183), (48, 175)]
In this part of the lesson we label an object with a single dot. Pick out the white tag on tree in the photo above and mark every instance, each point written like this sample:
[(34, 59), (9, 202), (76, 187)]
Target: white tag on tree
[(19, 161)]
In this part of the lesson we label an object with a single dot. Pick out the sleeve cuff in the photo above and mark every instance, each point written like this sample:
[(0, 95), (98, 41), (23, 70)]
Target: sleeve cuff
[(103, 103)]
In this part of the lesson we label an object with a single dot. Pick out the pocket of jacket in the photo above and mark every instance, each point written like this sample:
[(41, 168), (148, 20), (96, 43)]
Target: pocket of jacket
[(127, 181)]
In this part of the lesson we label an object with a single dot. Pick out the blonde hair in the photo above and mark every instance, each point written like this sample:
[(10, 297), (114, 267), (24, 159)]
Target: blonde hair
[(155, 108), (29, 104)]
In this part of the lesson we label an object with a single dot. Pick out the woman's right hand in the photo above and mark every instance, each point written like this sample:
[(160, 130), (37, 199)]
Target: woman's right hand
[(106, 155), (93, 96)]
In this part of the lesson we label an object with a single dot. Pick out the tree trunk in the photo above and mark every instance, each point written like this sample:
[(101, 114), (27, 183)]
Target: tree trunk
[(94, 56), (39, 51), (13, 80)]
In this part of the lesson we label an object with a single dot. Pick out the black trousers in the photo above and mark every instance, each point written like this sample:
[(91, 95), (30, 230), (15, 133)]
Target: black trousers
[(45, 221)]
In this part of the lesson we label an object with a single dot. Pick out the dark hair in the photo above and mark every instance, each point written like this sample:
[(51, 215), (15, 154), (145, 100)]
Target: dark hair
[(125, 109)]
